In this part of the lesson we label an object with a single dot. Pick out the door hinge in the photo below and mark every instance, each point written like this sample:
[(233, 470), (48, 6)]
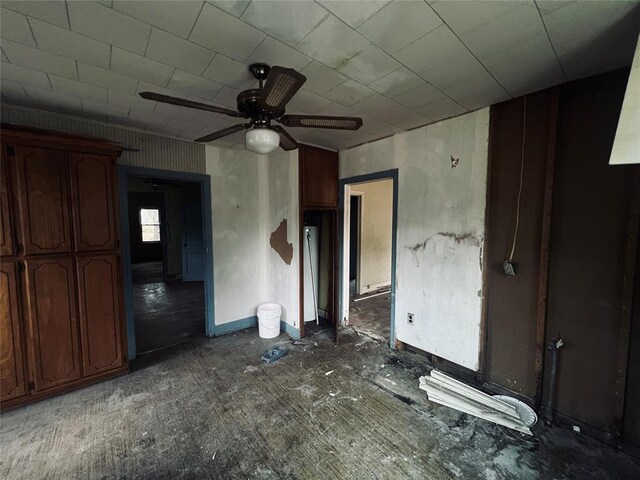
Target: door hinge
[(19, 248), (31, 386), (20, 266)]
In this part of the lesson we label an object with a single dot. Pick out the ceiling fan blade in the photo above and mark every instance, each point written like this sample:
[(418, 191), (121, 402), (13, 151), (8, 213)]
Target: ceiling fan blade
[(287, 142), (282, 84), (222, 133), (320, 121), (181, 102)]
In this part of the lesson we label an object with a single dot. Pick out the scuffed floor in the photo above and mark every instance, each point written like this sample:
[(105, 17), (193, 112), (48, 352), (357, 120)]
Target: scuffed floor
[(371, 315), (210, 409)]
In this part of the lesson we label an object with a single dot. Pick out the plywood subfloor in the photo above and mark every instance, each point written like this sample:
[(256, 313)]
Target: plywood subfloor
[(210, 409)]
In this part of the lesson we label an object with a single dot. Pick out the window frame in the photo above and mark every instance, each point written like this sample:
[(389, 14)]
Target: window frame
[(141, 225)]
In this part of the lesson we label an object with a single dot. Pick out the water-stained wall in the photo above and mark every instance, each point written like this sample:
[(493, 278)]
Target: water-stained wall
[(251, 197), (442, 177)]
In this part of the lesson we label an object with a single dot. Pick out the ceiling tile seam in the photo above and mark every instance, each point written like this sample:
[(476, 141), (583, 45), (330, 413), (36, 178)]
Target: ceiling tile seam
[(155, 26), (405, 66), (553, 48), (365, 20), (31, 31), (66, 9), (78, 71), (146, 47), (196, 21), (472, 54), (208, 65), (243, 10), (110, 56)]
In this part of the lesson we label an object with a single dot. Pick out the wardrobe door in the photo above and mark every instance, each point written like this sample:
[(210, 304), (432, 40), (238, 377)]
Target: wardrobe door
[(318, 177), (6, 232), (100, 316), (12, 379), (52, 318), (44, 200), (92, 189)]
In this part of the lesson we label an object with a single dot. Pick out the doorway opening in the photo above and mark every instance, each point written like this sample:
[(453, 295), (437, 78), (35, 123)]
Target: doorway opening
[(318, 252), (369, 206), (167, 259)]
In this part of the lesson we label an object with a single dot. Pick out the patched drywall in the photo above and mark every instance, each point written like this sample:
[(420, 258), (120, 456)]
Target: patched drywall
[(253, 196), (440, 230), (280, 244)]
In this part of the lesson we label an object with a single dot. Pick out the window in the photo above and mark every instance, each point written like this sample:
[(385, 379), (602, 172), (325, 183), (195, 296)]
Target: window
[(150, 224)]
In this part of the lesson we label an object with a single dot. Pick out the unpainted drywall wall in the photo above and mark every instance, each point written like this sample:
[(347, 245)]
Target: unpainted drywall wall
[(376, 218), (279, 201), (440, 230), (251, 196)]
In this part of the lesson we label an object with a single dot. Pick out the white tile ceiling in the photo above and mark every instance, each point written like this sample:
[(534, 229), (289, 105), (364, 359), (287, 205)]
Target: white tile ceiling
[(397, 64)]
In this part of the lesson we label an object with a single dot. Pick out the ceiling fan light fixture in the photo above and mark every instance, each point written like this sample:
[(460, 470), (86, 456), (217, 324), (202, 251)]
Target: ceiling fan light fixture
[(261, 140)]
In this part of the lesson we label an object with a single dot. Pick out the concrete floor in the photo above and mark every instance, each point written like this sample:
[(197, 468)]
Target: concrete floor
[(210, 409)]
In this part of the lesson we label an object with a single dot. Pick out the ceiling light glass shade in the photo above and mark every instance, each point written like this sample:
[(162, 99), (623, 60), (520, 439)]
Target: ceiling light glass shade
[(261, 140)]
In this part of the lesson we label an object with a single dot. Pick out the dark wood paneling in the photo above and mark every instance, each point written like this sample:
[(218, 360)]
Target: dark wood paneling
[(590, 226), (318, 178), (52, 320), (12, 378), (44, 200), (6, 232), (100, 313), (92, 178), (512, 302), (631, 428)]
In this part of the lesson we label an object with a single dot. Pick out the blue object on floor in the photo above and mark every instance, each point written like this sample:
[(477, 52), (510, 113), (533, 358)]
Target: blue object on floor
[(273, 354)]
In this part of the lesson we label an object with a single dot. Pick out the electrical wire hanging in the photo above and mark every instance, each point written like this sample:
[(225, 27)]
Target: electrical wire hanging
[(524, 137)]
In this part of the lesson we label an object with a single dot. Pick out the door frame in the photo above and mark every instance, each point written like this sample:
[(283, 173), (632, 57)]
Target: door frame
[(343, 240), (355, 193), (204, 181)]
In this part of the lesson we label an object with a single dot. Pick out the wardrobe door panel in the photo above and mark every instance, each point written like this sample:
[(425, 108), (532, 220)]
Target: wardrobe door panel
[(44, 200), (318, 177), (53, 321), (6, 232), (100, 317), (12, 378), (92, 188)]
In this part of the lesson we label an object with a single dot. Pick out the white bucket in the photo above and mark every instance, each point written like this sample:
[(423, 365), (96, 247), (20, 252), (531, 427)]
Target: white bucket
[(269, 320)]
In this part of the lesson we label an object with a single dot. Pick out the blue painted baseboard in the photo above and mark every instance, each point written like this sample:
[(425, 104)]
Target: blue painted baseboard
[(251, 322), (235, 325), (290, 330)]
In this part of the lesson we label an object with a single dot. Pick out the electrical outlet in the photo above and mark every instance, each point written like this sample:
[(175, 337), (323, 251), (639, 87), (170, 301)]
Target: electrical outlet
[(410, 318)]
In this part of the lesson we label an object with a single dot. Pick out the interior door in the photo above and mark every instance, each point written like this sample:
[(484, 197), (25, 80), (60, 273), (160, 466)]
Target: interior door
[(44, 200), (93, 206), (99, 290), (52, 318), (193, 259), (12, 378)]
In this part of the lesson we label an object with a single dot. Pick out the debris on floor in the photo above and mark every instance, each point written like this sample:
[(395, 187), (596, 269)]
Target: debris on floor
[(273, 354), (449, 392)]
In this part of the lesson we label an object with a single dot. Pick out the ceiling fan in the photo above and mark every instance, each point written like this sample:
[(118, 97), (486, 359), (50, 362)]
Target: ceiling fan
[(263, 105)]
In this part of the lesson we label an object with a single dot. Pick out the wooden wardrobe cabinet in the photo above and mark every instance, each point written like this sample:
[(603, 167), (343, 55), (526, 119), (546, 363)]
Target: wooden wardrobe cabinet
[(318, 178), (62, 320)]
